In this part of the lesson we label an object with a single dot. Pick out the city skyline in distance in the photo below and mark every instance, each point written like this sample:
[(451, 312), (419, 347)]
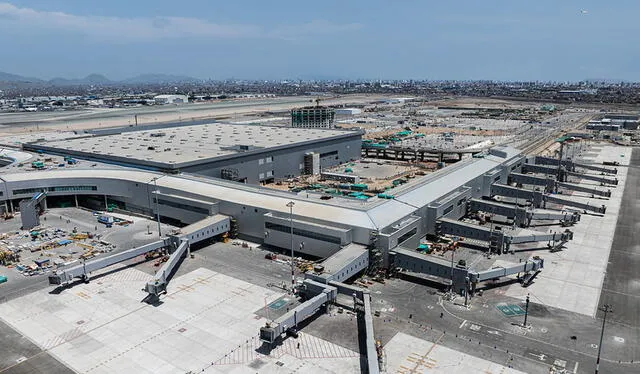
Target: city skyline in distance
[(495, 40)]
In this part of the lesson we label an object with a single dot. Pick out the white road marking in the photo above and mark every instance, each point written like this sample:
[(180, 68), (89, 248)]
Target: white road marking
[(575, 368), (463, 323)]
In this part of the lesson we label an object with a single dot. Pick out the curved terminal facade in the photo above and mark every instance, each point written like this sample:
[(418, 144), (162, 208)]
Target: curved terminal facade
[(321, 228)]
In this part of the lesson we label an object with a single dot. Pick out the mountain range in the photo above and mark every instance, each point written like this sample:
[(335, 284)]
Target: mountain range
[(97, 79)]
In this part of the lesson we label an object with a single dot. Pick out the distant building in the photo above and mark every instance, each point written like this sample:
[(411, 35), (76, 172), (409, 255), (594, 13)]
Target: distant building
[(315, 117), (243, 153), (348, 111), (171, 99)]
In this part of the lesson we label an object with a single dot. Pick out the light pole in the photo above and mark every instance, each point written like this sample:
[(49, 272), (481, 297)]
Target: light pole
[(606, 308), (526, 311), (155, 183), (452, 253), (290, 204)]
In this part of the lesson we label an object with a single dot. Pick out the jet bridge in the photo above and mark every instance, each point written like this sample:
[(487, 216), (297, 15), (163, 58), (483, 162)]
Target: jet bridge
[(342, 265), (83, 270), (547, 182), (534, 196), (499, 240), (197, 232), (535, 264), (596, 178), (540, 169), (578, 188), (464, 279), (158, 285), (319, 295), (576, 204), (570, 165), (288, 323), (522, 216)]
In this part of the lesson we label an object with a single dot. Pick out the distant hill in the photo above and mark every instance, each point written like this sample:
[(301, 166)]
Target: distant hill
[(98, 79), (158, 78), (6, 77), (95, 79)]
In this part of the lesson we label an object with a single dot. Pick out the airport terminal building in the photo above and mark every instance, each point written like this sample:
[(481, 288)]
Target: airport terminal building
[(242, 153), (320, 227)]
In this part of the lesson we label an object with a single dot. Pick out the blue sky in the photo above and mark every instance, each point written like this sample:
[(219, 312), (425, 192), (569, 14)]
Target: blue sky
[(279, 39)]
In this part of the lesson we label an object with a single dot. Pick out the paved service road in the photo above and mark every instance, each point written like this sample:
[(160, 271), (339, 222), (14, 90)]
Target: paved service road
[(621, 286)]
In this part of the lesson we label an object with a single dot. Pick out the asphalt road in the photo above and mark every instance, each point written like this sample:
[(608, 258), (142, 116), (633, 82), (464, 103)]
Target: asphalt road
[(483, 331), (622, 281), (21, 356)]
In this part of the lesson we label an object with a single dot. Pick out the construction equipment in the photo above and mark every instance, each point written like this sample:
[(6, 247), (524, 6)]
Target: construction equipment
[(87, 255), (8, 257), (151, 255)]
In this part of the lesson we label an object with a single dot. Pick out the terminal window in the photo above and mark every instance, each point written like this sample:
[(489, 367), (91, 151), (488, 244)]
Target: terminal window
[(25, 191), (302, 232)]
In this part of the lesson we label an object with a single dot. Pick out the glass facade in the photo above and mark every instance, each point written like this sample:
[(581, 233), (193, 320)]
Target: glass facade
[(31, 191)]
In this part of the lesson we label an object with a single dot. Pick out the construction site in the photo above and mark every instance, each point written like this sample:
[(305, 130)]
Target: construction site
[(431, 236)]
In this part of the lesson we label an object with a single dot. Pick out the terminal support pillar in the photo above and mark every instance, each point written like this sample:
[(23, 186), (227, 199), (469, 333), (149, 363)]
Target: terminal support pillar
[(76, 199)]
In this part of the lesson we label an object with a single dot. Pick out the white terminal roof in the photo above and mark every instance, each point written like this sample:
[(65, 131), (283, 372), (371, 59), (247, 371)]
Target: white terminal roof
[(191, 145), (372, 215)]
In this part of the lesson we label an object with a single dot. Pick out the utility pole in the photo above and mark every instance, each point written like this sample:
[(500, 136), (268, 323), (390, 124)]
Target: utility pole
[(526, 311), (453, 250), (560, 160), (290, 204), (155, 183), (606, 308)]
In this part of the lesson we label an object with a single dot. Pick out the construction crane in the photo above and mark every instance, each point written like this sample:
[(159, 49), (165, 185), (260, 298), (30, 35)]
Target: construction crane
[(317, 100)]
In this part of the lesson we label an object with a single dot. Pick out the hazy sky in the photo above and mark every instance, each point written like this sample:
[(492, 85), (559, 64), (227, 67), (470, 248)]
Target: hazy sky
[(277, 39)]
